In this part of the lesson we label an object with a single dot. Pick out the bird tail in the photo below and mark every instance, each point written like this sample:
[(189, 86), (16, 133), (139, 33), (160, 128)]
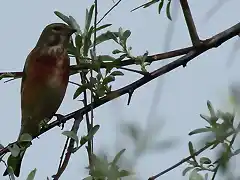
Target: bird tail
[(16, 162)]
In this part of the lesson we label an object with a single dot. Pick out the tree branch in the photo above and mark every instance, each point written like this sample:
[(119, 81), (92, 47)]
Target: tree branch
[(190, 23), (84, 66), (207, 44), (62, 168)]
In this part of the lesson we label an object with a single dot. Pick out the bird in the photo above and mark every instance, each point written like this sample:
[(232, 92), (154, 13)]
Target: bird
[(44, 82)]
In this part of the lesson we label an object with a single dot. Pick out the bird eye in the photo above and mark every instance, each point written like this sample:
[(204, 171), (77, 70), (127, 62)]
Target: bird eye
[(57, 28)]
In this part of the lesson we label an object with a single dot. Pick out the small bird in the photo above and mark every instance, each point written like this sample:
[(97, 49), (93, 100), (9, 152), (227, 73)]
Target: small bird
[(44, 82)]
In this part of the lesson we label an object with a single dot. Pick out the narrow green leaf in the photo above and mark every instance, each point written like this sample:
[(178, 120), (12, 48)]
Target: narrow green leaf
[(195, 176), (116, 51), (124, 173), (31, 175), (88, 19), (83, 140), (15, 150), (186, 170), (191, 150), (122, 56), (25, 137), (103, 27), (81, 89), (75, 25), (117, 157), (168, 10), (106, 58), (108, 79), (93, 131), (116, 73), (206, 118), (105, 37), (211, 109), (200, 130), (160, 6), (126, 34), (236, 152), (150, 3), (205, 160), (63, 17), (71, 135), (78, 41), (72, 49)]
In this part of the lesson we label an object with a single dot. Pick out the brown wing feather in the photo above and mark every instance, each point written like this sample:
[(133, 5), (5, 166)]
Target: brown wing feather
[(43, 88)]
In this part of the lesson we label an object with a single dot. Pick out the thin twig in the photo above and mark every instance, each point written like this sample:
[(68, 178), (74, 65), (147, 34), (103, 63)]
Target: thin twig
[(108, 12), (75, 128), (85, 66), (206, 45), (190, 23), (208, 145), (63, 152)]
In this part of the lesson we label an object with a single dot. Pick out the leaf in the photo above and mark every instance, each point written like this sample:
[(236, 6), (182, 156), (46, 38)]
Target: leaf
[(207, 118), (236, 152), (205, 160), (200, 130), (116, 73), (88, 19), (106, 58), (25, 137), (63, 17), (191, 150), (117, 157), (93, 131), (72, 49), (71, 135), (75, 25), (116, 51), (168, 10), (126, 34), (78, 41), (211, 109), (105, 37), (15, 150), (31, 175), (195, 176), (81, 89), (108, 79), (150, 3), (102, 27), (186, 170), (87, 42), (124, 173), (160, 6), (6, 75)]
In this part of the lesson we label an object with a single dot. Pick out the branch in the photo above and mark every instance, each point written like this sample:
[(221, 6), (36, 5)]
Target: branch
[(208, 145), (190, 23), (62, 168), (207, 44), (115, 5), (85, 66)]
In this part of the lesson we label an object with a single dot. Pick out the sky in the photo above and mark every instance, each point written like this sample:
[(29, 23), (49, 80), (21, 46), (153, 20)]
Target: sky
[(171, 103)]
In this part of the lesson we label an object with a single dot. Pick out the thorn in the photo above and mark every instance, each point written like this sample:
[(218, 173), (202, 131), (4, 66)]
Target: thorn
[(130, 93), (60, 118), (9, 80)]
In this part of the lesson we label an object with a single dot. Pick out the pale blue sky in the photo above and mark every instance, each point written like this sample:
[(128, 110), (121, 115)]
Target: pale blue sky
[(183, 97)]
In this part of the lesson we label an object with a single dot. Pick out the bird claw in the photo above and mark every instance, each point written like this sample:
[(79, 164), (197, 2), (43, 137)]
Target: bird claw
[(60, 118)]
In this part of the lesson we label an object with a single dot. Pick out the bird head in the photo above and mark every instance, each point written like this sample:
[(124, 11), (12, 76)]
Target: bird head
[(55, 34)]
